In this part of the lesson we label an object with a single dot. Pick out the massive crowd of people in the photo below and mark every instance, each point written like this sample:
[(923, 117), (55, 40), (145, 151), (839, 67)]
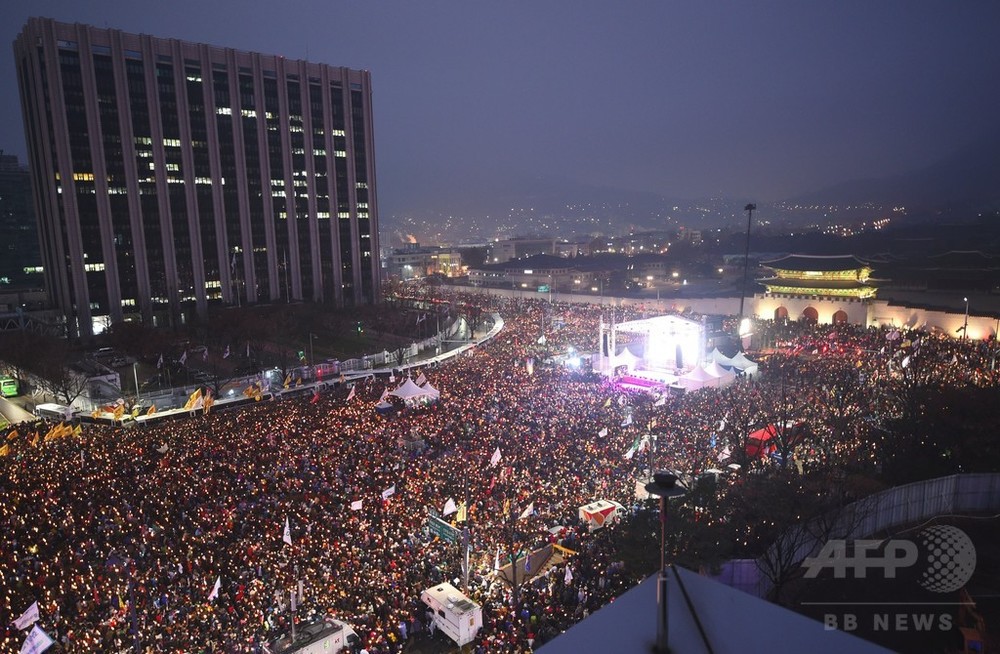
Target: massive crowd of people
[(121, 522)]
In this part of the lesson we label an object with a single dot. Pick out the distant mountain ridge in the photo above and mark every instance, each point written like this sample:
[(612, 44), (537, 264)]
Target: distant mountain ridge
[(968, 178)]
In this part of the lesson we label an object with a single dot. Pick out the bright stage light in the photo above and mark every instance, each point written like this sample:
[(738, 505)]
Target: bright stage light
[(746, 328), (573, 362), (673, 347)]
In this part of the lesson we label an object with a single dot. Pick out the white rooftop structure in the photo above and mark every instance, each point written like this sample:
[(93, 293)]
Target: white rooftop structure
[(705, 617)]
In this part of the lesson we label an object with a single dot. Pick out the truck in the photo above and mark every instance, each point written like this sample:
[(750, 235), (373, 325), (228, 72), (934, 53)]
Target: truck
[(325, 636), (455, 615), (600, 513)]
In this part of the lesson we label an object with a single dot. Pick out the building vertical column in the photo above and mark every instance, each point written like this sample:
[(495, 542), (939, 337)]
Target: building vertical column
[(307, 122), (239, 146), (150, 56), (140, 257), (112, 281), (294, 265), (179, 52), (273, 278)]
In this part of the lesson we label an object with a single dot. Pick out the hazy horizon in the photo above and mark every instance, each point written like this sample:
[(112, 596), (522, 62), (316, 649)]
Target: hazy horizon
[(765, 101)]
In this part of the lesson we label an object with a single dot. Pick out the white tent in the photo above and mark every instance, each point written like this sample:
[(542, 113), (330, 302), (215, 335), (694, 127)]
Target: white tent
[(408, 390), (430, 391), (743, 364), (724, 376), (696, 379), (720, 358)]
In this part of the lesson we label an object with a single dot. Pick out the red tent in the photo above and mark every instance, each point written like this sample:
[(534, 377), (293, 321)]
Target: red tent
[(759, 442)]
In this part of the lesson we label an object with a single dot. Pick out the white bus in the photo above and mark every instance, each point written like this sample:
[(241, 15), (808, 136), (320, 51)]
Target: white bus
[(54, 412)]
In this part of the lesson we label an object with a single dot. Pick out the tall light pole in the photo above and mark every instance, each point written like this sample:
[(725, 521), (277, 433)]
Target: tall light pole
[(135, 376), (746, 255), (965, 325), (664, 485), (746, 267)]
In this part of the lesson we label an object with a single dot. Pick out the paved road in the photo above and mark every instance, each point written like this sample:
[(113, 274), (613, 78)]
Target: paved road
[(14, 413)]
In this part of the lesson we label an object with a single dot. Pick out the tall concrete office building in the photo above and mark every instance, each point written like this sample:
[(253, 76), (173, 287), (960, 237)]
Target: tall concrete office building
[(169, 176)]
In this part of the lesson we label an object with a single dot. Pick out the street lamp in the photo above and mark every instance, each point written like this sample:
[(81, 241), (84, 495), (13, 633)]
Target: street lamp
[(965, 325), (664, 486), (135, 376), (746, 263)]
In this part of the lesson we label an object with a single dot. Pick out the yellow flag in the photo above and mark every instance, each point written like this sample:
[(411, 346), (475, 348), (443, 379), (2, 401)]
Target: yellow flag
[(288, 380), (119, 411), (78, 430), (5, 450), (135, 411), (608, 403), (193, 399), (151, 410), (95, 414), (12, 435)]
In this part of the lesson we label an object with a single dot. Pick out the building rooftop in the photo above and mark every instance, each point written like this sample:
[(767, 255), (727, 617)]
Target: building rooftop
[(803, 262), (704, 617)]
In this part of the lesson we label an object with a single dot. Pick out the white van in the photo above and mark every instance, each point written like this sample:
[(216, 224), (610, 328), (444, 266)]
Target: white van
[(600, 513), (327, 636), (54, 412), (454, 614)]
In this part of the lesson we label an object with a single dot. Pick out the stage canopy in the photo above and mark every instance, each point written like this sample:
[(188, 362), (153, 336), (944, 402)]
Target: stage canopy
[(672, 342)]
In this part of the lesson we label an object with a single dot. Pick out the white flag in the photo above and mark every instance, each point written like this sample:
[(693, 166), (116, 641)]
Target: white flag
[(184, 357), (204, 355), (37, 642), (568, 578), (603, 432), (356, 505), (389, 492), (726, 453), (215, 589), (527, 511), (542, 339), (661, 401), (420, 380), (449, 507), (496, 561), (225, 355), (350, 395), (159, 363), (287, 536), (495, 459), (28, 618), (627, 421)]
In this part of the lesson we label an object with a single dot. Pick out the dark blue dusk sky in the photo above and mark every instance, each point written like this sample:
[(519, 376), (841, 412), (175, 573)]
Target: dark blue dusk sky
[(759, 99)]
